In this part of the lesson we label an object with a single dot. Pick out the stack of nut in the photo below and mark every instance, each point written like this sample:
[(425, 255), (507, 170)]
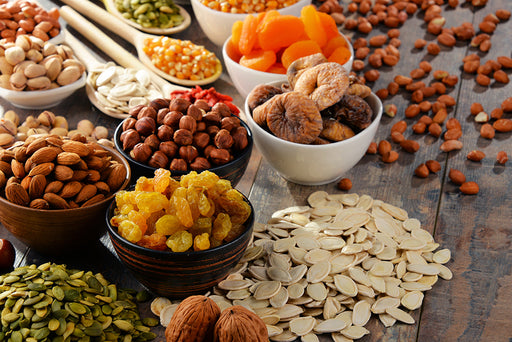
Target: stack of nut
[(13, 131), (49, 172), (181, 136), (33, 64)]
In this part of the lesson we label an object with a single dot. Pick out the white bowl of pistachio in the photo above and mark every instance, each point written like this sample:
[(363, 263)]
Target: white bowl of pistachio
[(37, 74)]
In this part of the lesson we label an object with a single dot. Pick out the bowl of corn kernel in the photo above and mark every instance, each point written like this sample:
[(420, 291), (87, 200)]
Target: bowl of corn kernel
[(216, 18), (180, 237)]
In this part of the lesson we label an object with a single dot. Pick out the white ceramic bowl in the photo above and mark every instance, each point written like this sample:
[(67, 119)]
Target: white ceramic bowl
[(217, 25), (314, 164), (245, 79), (40, 99)]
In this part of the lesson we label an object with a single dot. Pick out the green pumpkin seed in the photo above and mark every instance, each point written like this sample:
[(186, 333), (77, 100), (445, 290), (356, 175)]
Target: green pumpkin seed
[(123, 325), (58, 293), (41, 333), (54, 324), (10, 317)]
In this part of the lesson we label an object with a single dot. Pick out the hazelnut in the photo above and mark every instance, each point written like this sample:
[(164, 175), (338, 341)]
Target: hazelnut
[(179, 104), (208, 150), (134, 111), (129, 123), (220, 156), (145, 126), (178, 165), (159, 103), (152, 141), (130, 138), (200, 163), (147, 111), (172, 119), (230, 123), (221, 108), (240, 138), (203, 105), (212, 130), (188, 153), (183, 137), (169, 148), (223, 139), (195, 112), (212, 118), (158, 160), (188, 123), (201, 126), (201, 140), (141, 152), (160, 115), (165, 132)]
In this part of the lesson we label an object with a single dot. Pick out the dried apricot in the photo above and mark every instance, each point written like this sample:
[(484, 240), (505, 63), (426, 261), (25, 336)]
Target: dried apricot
[(248, 35), (313, 25), (333, 44), (258, 59), (280, 31), (299, 49)]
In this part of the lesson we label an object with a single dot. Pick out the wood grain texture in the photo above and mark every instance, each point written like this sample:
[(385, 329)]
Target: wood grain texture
[(475, 304)]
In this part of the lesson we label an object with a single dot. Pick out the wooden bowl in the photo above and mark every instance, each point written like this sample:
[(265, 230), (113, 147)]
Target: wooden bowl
[(178, 275), (59, 231), (231, 171)]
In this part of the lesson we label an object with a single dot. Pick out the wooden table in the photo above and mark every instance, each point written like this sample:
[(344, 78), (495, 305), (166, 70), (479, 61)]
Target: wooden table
[(476, 304)]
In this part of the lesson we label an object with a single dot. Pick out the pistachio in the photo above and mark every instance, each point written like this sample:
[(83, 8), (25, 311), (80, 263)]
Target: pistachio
[(14, 55), (69, 75), (33, 70), (18, 81), (39, 83)]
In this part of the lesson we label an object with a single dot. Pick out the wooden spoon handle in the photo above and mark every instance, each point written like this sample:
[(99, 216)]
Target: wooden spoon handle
[(106, 19), (80, 52)]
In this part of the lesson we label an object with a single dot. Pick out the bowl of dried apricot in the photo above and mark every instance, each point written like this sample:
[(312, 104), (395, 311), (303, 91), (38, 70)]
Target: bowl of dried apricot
[(317, 125), (260, 50), (180, 237), (217, 18)]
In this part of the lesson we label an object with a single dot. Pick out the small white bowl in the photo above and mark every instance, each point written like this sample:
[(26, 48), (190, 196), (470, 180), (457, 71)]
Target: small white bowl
[(314, 164), (245, 79), (217, 25), (40, 99)]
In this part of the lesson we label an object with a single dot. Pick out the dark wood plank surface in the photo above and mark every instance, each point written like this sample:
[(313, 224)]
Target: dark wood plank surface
[(475, 304)]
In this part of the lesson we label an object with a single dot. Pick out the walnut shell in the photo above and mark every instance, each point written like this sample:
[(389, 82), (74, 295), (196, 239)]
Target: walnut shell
[(238, 324), (193, 321)]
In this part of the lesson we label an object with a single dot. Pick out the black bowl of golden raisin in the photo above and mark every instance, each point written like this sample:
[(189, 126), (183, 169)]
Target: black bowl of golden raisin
[(183, 136)]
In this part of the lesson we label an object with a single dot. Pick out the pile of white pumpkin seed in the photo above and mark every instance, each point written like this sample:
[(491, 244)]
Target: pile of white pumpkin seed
[(53, 303), (328, 267)]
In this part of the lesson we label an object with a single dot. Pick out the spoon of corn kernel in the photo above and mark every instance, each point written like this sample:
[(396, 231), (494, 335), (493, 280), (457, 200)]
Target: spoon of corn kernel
[(178, 61)]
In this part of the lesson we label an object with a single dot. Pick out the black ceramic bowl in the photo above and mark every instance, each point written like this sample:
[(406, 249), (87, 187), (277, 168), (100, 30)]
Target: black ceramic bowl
[(178, 275), (231, 171)]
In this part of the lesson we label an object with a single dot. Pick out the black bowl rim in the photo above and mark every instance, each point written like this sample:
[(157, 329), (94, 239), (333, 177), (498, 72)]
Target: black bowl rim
[(168, 254), (126, 182), (240, 155)]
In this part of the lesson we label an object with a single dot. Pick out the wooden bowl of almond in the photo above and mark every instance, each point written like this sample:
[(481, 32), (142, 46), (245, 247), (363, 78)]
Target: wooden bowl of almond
[(54, 192)]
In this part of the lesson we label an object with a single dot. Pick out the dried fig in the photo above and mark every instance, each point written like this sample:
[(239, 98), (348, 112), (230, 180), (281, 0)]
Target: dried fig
[(335, 130), (352, 110), (294, 117), (261, 94), (299, 65)]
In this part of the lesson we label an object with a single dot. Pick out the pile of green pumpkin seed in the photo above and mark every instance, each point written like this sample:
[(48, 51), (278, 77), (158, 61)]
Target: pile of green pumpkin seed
[(151, 13), (53, 303)]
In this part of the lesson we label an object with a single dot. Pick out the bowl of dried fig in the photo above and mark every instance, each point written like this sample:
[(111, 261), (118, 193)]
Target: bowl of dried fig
[(312, 133), (54, 192), (182, 136)]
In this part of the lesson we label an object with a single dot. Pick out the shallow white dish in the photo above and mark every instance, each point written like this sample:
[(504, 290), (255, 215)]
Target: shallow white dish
[(40, 99), (217, 25), (314, 164), (245, 79)]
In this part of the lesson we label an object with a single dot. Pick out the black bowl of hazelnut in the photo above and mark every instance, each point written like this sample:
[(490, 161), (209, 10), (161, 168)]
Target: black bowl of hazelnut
[(181, 136)]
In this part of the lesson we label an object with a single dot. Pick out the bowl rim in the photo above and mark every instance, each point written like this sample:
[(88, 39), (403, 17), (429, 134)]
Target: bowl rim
[(240, 155), (106, 199), (144, 250), (47, 92), (299, 4), (339, 144)]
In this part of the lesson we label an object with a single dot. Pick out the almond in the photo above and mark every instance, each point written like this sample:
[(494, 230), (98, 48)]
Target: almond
[(68, 158), (410, 146), (87, 192), (487, 131), (17, 194), (469, 188), (502, 157), (421, 171), (102, 187), (80, 175), (456, 176), (39, 203), (451, 145), (55, 201), (63, 173), (35, 145), (503, 125), (77, 147), (390, 157), (42, 169), (54, 187), (37, 186), (45, 154), (18, 169), (116, 177), (95, 199), (70, 189), (476, 155)]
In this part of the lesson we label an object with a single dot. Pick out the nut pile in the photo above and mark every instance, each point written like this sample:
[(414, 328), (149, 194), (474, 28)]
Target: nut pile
[(49, 172), (119, 89), (27, 17), (328, 267), (33, 64), (181, 136), (320, 104), (12, 130), (60, 304)]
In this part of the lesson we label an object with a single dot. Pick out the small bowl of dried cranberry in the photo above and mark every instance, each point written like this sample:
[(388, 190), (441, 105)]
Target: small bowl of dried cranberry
[(182, 136)]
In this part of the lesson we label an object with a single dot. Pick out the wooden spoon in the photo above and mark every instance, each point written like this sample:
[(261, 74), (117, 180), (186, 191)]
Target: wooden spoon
[(111, 7), (130, 34)]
